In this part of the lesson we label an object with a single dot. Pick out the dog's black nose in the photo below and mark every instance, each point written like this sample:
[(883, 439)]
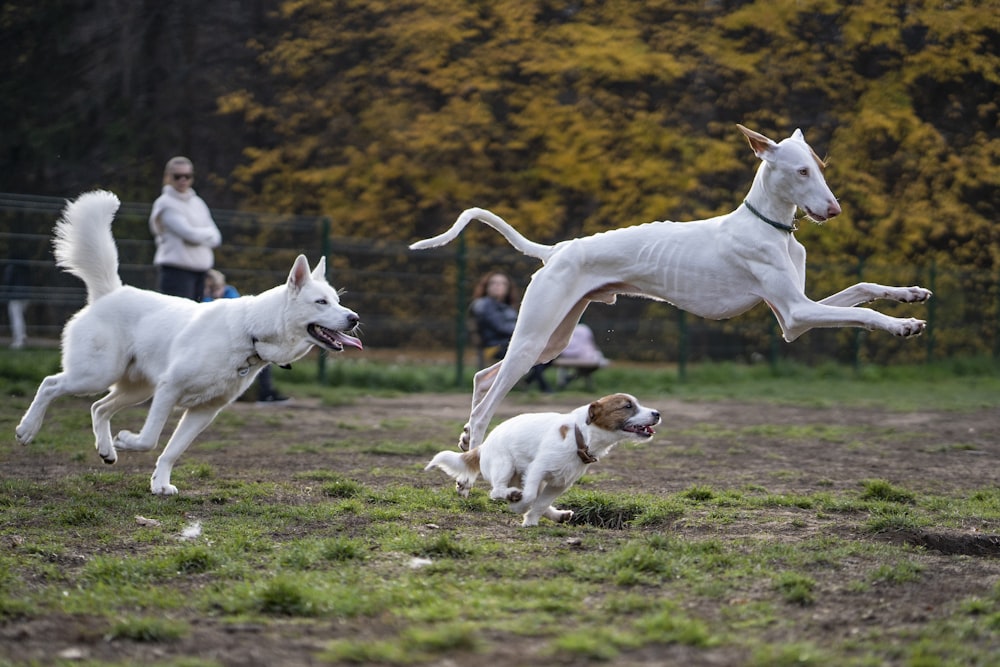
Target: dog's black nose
[(656, 414), (352, 320)]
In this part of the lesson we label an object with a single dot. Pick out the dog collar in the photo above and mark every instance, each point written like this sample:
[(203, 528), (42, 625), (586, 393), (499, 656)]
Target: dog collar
[(581, 448), (774, 223), (255, 359)]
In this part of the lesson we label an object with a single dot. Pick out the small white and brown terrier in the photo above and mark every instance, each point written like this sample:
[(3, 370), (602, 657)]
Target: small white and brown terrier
[(546, 453)]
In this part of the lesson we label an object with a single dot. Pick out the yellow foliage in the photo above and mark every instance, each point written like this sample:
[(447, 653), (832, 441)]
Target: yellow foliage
[(392, 117)]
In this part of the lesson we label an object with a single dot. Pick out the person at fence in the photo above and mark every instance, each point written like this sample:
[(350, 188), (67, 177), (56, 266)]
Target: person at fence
[(15, 290), (494, 307), (216, 287), (185, 233), (581, 358)]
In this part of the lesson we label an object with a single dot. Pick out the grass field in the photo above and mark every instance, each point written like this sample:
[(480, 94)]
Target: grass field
[(784, 516)]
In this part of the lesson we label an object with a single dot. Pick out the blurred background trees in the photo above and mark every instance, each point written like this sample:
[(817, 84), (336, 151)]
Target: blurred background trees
[(565, 116)]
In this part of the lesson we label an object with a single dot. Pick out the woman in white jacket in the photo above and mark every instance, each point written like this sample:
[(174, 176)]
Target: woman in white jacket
[(185, 233)]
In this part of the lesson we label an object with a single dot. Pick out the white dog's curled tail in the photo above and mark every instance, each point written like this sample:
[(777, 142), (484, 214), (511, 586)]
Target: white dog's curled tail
[(84, 245), (530, 248), (463, 467)]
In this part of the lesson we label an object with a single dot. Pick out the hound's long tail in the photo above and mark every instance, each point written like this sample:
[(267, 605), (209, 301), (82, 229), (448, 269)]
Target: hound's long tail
[(530, 248), (84, 245)]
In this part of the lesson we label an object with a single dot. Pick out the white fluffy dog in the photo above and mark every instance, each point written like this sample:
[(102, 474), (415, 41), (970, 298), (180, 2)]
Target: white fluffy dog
[(195, 356), (546, 453)]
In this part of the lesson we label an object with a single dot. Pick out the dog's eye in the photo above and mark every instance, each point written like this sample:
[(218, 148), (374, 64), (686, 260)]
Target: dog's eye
[(804, 171), (321, 302), (628, 405)]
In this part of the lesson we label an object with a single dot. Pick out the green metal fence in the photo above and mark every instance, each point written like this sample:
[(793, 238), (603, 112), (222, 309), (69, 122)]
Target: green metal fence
[(417, 300)]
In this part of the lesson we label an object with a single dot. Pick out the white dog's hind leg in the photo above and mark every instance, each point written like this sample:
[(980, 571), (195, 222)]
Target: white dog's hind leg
[(159, 411), (542, 332), (51, 388), (190, 425), (121, 396)]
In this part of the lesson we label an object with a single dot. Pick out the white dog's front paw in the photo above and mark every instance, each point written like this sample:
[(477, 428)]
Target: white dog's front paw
[(108, 457), (914, 294), (125, 440), (25, 434), (908, 327), (162, 489)]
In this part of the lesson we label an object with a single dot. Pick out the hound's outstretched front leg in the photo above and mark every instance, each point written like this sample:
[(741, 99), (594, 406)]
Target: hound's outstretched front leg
[(855, 295)]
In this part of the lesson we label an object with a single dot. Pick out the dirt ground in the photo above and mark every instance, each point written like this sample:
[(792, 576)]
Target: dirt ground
[(721, 445)]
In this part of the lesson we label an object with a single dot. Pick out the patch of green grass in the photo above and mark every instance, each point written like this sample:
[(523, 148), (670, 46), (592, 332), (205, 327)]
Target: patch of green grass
[(880, 489), (795, 588), (897, 573), (889, 517), (148, 630), (415, 645)]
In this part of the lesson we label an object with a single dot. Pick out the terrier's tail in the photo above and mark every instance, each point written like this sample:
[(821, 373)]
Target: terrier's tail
[(463, 467)]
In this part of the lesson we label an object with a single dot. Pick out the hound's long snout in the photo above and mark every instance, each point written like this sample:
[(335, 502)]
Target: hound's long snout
[(833, 209)]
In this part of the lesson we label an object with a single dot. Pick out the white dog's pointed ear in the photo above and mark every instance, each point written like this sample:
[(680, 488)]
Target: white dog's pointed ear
[(761, 145), (797, 134), (299, 275), (319, 273)]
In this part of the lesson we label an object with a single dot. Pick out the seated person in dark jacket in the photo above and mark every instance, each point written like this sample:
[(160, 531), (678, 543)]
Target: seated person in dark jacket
[(494, 305)]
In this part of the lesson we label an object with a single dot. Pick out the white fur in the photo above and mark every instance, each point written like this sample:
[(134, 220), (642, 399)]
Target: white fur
[(715, 268), (540, 451), (195, 356)]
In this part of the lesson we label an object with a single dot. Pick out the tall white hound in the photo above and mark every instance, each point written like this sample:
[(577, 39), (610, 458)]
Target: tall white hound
[(715, 268)]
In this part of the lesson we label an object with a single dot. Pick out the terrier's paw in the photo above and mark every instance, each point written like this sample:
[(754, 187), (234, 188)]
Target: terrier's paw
[(563, 516), (514, 495)]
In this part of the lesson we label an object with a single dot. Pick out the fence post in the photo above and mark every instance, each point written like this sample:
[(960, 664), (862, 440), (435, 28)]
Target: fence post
[(325, 246), (856, 342), (461, 301), (930, 311)]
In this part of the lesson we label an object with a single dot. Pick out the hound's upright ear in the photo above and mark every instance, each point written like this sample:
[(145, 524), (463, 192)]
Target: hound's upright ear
[(299, 275), (319, 273), (761, 145)]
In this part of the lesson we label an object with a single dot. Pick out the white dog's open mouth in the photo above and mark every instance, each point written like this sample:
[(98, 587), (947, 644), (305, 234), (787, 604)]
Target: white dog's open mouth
[(644, 430), (815, 217), (332, 340)]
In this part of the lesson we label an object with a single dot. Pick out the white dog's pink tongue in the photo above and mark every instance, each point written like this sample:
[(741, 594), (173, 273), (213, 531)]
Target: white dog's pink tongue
[(348, 340)]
